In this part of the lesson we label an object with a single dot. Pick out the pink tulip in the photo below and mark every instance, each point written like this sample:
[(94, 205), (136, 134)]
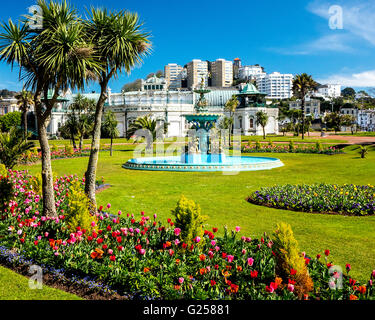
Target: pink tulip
[(181, 280), (230, 258), (250, 262), (238, 229), (177, 231)]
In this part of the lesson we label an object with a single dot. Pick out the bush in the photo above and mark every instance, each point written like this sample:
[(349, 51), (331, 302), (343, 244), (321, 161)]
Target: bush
[(290, 263), (189, 219), (54, 148), (6, 192), (36, 183), (69, 149), (257, 145), (319, 146), (3, 170), (78, 214), (291, 146)]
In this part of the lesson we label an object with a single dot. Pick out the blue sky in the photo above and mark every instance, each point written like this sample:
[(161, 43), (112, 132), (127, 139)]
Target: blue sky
[(290, 36)]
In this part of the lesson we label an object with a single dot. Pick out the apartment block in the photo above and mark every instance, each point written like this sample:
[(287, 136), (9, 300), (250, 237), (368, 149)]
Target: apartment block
[(275, 85), (222, 73), (196, 70), (173, 74)]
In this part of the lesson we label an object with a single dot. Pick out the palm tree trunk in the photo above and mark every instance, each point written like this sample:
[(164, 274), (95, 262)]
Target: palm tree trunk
[(80, 142), (25, 124), (73, 140), (303, 117), (264, 133), (90, 174), (49, 207), (111, 147)]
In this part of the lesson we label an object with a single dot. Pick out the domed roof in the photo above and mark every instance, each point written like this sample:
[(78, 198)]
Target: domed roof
[(156, 80), (250, 89)]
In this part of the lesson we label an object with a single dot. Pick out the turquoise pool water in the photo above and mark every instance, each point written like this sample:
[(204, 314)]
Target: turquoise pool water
[(229, 163)]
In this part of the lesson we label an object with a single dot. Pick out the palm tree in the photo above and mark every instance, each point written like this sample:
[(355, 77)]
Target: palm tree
[(82, 110), (262, 119), (120, 45), (12, 145), (110, 125), (231, 106), (143, 124), (303, 84), (51, 58), (24, 101)]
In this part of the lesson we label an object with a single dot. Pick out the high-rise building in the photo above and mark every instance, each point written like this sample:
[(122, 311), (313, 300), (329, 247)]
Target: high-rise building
[(275, 85), (222, 73), (236, 67), (173, 74), (196, 70)]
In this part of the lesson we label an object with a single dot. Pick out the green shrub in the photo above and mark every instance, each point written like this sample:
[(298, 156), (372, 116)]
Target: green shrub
[(288, 257), (69, 149), (6, 192), (291, 146), (319, 146), (3, 170), (258, 145), (54, 148), (189, 219), (78, 213), (363, 151), (36, 183)]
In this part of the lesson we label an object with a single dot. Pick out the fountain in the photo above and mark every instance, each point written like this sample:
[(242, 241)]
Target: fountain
[(203, 151)]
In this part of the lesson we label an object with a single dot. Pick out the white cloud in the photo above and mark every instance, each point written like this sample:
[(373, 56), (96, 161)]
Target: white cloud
[(358, 18), (362, 79)]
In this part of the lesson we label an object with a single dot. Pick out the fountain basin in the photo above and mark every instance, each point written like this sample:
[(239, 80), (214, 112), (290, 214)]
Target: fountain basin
[(229, 163)]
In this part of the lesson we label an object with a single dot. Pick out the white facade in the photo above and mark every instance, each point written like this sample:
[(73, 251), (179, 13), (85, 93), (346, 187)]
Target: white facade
[(8, 105), (275, 85), (173, 74), (366, 119), (329, 91), (248, 72)]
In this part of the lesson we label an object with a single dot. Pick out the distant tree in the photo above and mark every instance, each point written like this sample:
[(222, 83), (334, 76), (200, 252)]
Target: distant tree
[(231, 107), (348, 92), (132, 86), (82, 110), (143, 123), (7, 93), (10, 120), (25, 100), (303, 84), (262, 120), (110, 126)]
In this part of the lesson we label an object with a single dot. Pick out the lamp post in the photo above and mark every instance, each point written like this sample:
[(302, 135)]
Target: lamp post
[(126, 114)]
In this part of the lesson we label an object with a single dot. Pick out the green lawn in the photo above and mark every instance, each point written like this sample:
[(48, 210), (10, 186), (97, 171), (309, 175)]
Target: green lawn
[(222, 198), (16, 287)]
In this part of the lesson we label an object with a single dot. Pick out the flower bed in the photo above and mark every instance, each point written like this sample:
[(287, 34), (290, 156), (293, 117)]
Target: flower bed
[(141, 256), (31, 157), (285, 148), (324, 198)]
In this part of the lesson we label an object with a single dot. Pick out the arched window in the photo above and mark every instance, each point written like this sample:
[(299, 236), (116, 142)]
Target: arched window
[(251, 123), (240, 122)]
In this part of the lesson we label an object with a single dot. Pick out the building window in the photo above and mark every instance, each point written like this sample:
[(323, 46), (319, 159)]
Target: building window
[(251, 123)]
